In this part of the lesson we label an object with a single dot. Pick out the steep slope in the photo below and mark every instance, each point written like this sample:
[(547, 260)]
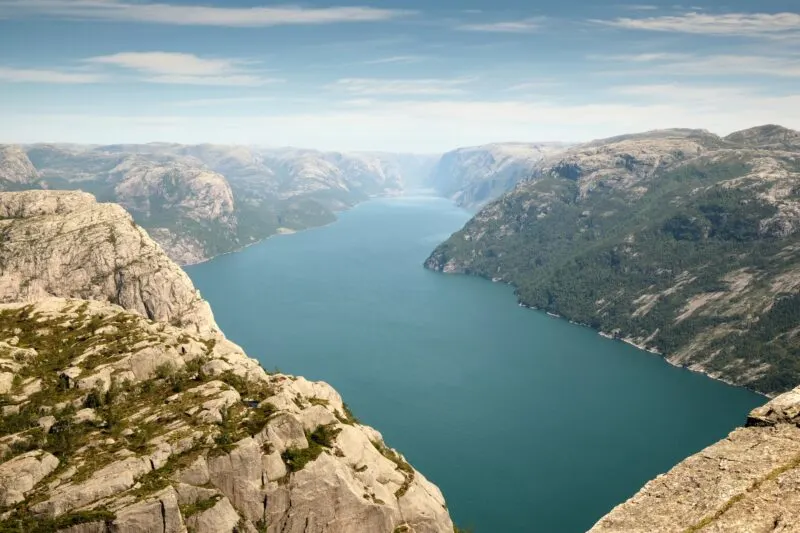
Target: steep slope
[(746, 482), (680, 241), (199, 201), (15, 168), (476, 175), (188, 210), (121, 423), (64, 243)]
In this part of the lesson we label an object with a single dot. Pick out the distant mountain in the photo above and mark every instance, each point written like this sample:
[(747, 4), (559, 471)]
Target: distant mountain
[(15, 168), (199, 201), (680, 241), (476, 175)]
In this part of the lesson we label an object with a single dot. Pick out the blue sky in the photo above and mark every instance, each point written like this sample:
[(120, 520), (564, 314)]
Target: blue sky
[(400, 75)]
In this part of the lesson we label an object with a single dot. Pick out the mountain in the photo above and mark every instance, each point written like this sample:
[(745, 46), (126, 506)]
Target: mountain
[(679, 241), (125, 409), (476, 175), (199, 201), (15, 168), (65, 244), (745, 482)]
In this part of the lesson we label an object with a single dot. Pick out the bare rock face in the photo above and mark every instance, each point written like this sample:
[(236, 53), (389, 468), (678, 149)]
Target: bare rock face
[(67, 244), (22, 473), (197, 193), (15, 167), (749, 481), (189, 434)]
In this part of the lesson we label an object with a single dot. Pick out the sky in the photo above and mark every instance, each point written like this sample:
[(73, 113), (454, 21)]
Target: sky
[(419, 76)]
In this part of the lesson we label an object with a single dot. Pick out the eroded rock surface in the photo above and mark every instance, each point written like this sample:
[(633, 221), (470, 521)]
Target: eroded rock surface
[(749, 481), (58, 243)]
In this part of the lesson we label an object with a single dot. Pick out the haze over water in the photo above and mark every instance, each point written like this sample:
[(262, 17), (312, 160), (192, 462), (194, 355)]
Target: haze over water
[(526, 422)]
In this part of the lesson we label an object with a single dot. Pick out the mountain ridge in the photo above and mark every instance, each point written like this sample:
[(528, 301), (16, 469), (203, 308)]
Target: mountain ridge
[(675, 240)]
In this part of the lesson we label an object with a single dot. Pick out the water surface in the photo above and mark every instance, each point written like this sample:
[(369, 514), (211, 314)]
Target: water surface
[(526, 422)]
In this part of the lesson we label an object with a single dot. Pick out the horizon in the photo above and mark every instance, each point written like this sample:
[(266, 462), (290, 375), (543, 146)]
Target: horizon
[(373, 152), (397, 76)]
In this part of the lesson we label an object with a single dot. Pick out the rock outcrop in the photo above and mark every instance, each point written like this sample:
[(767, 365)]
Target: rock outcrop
[(140, 417), (15, 167), (749, 481), (58, 243)]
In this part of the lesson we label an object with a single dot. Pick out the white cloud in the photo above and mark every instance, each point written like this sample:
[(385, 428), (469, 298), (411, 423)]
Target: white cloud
[(741, 24), (168, 63), (534, 85), (15, 75), (393, 59), (184, 69), (196, 15), (787, 66), (408, 87), (213, 102), (425, 126), (675, 92), (639, 7), (512, 26)]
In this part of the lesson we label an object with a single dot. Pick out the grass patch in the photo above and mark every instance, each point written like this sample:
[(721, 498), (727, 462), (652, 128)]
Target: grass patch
[(321, 438)]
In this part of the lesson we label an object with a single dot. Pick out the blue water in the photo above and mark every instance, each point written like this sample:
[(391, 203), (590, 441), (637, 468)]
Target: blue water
[(526, 422)]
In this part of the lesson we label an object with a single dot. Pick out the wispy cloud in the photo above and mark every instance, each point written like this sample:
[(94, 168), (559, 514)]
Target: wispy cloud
[(393, 59), (196, 15), (409, 87), (787, 66), (184, 69), (737, 24), (511, 26), (15, 75), (639, 7), (412, 125), (533, 85), (685, 93)]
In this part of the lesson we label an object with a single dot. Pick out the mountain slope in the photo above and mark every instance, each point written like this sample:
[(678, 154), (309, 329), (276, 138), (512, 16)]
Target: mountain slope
[(199, 201), (680, 241), (476, 175), (15, 168), (115, 422)]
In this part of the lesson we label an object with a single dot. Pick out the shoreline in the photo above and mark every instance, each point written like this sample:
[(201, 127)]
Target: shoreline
[(290, 231), (631, 342)]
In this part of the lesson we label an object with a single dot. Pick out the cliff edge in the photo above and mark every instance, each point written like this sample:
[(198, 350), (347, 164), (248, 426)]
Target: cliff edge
[(125, 409)]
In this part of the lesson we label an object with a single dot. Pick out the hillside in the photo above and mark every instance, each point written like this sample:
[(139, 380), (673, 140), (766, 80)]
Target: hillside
[(680, 241), (199, 201), (476, 175), (124, 409)]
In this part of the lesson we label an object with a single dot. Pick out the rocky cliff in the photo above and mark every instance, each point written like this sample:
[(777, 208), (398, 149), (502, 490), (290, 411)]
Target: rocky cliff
[(124, 409), (199, 201), (15, 167), (747, 482), (64, 243), (476, 175), (680, 241)]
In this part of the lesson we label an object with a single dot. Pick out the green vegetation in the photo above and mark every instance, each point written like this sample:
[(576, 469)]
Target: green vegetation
[(402, 466), (199, 506), (592, 258), (21, 522), (321, 438)]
